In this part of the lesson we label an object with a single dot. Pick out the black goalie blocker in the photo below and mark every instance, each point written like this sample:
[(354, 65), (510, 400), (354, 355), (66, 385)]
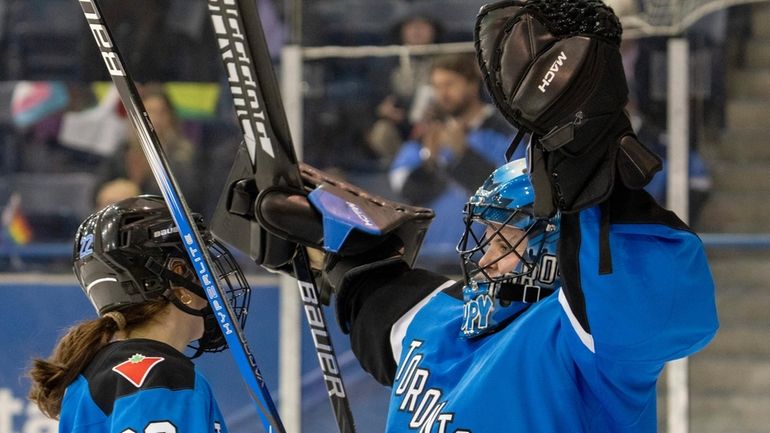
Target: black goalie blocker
[(328, 214), (124, 254), (554, 69)]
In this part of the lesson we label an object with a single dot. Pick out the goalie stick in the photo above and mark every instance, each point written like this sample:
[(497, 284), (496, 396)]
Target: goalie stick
[(262, 119), (180, 212)]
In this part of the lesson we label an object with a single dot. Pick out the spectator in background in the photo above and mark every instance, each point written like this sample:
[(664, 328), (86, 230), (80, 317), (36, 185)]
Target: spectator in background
[(409, 87), (131, 164), (458, 142), (407, 79)]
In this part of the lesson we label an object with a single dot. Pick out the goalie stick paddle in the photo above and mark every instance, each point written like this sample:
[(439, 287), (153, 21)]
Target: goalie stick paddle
[(192, 239), (262, 119)]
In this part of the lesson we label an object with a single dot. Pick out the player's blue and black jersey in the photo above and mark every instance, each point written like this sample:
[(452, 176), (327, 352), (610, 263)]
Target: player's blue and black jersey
[(585, 359), (140, 386)]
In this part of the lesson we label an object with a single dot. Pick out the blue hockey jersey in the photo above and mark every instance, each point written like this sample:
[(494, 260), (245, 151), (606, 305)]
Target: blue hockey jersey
[(585, 359), (140, 386)]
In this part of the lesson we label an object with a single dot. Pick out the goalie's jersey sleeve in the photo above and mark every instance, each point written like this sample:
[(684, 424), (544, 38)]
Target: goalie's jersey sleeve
[(140, 386), (636, 282)]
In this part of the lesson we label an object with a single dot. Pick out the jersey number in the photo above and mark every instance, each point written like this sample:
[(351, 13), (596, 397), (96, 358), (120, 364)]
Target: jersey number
[(86, 245), (156, 427)]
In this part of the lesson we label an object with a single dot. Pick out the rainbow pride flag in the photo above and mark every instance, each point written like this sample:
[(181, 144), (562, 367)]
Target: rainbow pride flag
[(33, 101), (16, 228), (191, 100)]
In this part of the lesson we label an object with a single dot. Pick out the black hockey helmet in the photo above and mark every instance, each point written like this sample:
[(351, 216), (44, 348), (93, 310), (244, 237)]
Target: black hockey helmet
[(123, 256)]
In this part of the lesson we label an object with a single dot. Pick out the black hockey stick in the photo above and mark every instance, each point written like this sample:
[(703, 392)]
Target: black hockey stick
[(260, 112), (192, 239)]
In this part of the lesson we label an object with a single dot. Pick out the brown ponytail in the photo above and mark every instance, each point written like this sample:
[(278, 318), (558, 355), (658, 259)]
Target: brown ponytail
[(75, 350)]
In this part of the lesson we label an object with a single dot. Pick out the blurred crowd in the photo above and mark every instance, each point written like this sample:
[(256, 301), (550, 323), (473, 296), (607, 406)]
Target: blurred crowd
[(414, 128)]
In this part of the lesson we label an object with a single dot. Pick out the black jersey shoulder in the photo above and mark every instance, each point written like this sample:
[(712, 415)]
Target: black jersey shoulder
[(126, 367)]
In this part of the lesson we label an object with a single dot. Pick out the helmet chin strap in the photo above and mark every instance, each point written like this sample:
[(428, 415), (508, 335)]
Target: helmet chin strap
[(203, 313), (181, 305), (177, 280), (517, 292), (206, 313), (158, 269)]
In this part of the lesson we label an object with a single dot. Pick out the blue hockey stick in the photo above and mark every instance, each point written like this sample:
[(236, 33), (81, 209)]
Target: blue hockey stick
[(180, 212)]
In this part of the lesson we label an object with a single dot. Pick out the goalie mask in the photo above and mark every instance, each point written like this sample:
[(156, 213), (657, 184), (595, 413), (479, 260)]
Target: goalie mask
[(124, 254), (508, 254)]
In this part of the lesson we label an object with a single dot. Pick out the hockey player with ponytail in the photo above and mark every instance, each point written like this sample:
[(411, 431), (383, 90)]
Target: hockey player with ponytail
[(125, 371)]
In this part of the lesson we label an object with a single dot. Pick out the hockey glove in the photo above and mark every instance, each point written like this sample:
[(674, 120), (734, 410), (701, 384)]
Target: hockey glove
[(340, 218), (328, 214), (569, 92)]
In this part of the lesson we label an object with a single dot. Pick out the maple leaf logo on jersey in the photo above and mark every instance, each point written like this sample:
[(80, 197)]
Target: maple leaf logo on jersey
[(136, 368)]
